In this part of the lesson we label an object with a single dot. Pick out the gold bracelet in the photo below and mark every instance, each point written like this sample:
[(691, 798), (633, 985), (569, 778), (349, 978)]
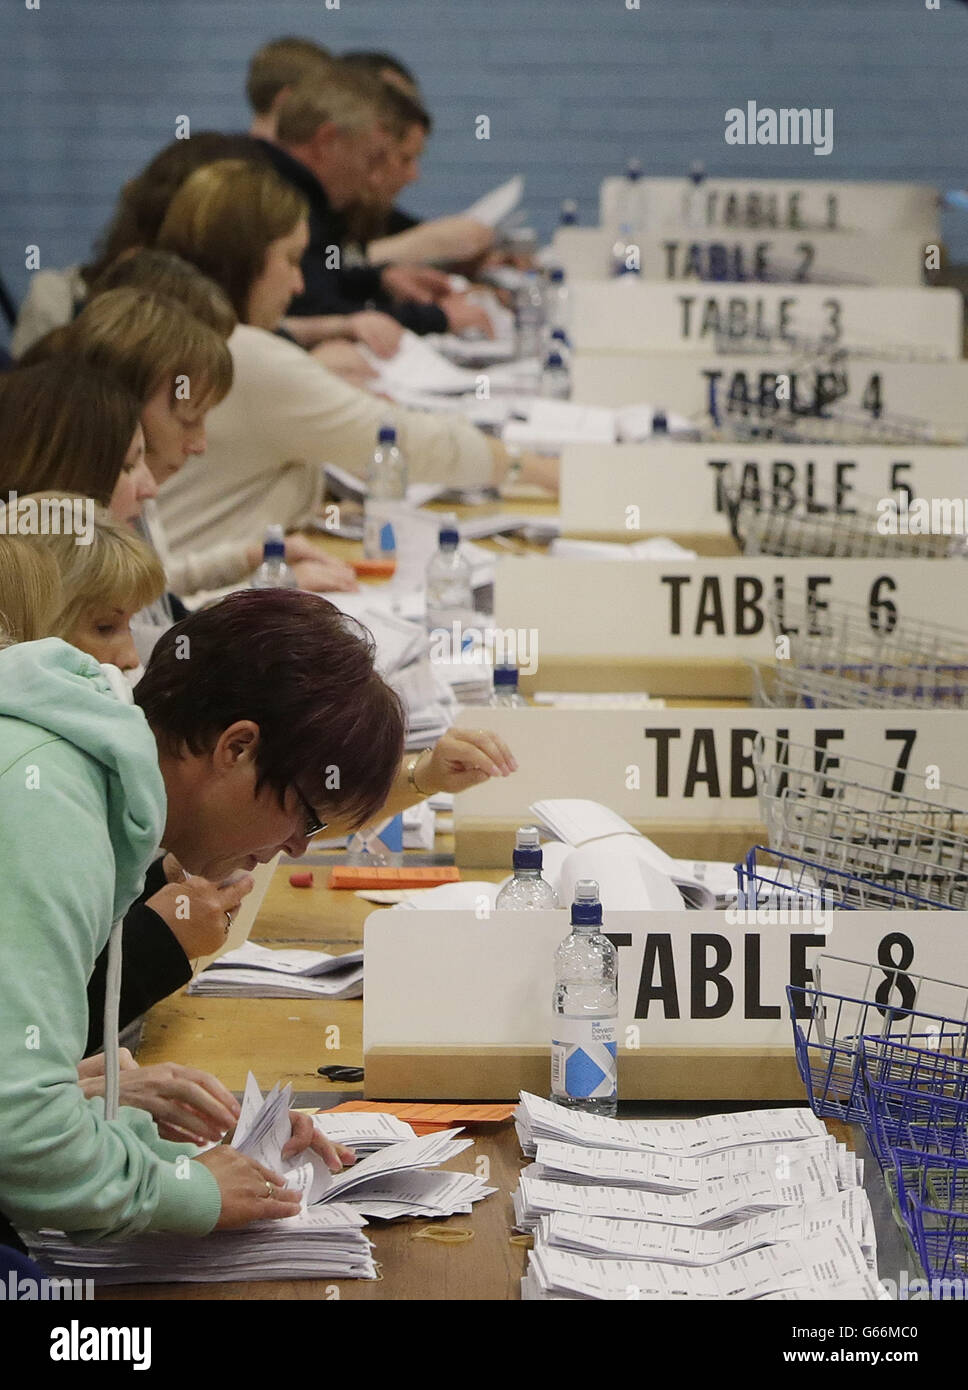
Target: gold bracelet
[(411, 768)]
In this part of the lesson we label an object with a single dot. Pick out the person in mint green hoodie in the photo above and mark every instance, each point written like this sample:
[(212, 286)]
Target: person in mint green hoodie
[(253, 714)]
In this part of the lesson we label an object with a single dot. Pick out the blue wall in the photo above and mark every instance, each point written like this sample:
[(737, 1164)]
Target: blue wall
[(90, 89)]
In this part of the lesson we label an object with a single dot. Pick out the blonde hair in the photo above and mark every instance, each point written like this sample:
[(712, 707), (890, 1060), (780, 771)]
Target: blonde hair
[(117, 570), (30, 591), (224, 219), (147, 341), (350, 100)]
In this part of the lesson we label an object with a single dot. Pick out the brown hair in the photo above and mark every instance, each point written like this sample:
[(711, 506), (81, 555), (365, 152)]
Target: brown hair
[(147, 340), (351, 100), (115, 570), (304, 673), (64, 424), (283, 63), (144, 199), (224, 220), (163, 273), (399, 111), (30, 591)]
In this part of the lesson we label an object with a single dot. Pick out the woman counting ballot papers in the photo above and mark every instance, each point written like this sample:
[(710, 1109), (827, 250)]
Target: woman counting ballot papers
[(223, 758)]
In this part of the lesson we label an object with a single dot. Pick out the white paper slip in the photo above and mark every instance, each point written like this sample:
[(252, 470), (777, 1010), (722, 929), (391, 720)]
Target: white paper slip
[(656, 548), (417, 367), (365, 1131), (428, 1150), (347, 485), (597, 699), (420, 1193), (495, 207), (286, 962), (551, 424)]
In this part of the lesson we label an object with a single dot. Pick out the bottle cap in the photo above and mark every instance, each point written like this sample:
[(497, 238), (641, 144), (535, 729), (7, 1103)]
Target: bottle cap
[(556, 275), (448, 537), (506, 677), (527, 848), (274, 545), (553, 360), (633, 170), (387, 435), (660, 424), (586, 910), (569, 212), (697, 171)]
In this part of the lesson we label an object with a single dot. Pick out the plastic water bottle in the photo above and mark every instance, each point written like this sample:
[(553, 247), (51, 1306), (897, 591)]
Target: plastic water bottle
[(529, 316), (568, 216), (505, 693), (527, 888), (386, 499), (692, 202), (450, 589), (274, 573), (660, 422), (557, 299), (584, 1036), (627, 250), (555, 380)]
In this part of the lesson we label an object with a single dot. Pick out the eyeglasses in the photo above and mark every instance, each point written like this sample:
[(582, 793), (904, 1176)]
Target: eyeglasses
[(313, 824)]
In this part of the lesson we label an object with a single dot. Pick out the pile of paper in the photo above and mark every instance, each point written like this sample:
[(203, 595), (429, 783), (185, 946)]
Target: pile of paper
[(810, 1266), (325, 1239), (317, 1243), (256, 972), (761, 1204), (551, 424)]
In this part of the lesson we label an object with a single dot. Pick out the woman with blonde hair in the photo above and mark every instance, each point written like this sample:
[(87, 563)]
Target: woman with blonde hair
[(286, 414)]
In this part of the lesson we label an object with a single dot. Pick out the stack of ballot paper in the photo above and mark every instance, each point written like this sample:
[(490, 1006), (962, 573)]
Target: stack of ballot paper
[(551, 424), (809, 1266), (364, 1132), (318, 1243), (256, 972), (746, 1205)]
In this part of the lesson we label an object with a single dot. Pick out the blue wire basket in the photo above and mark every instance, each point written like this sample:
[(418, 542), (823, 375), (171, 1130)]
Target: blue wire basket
[(793, 882), (831, 1031), (936, 1124), (933, 1195)]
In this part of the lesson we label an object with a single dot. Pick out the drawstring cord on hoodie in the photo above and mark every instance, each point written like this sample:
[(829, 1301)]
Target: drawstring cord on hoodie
[(112, 996)]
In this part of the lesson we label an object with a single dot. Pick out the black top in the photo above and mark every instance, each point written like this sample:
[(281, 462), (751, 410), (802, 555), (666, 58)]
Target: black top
[(344, 290), (153, 964)]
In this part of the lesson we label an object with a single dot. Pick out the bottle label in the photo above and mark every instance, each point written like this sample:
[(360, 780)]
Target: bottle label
[(584, 1057)]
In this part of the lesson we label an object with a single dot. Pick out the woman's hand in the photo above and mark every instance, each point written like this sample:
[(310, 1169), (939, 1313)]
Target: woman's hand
[(198, 912), (249, 1191), (305, 1136), (93, 1067), (187, 1105), (463, 758)]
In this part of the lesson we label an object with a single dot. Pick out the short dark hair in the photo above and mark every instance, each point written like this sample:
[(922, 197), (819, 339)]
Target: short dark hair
[(300, 669), (374, 61), (282, 63), (398, 111)]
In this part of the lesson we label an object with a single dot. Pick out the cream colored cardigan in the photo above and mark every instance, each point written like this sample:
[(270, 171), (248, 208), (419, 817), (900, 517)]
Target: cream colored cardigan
[(285, 417)]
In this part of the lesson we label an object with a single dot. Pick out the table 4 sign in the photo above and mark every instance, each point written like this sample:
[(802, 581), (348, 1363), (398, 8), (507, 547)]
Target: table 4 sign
[(892, 398)]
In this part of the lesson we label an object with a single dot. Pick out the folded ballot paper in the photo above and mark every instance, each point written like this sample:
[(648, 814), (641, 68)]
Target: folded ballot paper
[(763, 1204), (632, 872), (256, 972)]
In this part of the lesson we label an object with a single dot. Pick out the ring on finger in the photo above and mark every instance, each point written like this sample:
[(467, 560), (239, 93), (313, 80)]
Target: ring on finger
[(269, 1188)]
